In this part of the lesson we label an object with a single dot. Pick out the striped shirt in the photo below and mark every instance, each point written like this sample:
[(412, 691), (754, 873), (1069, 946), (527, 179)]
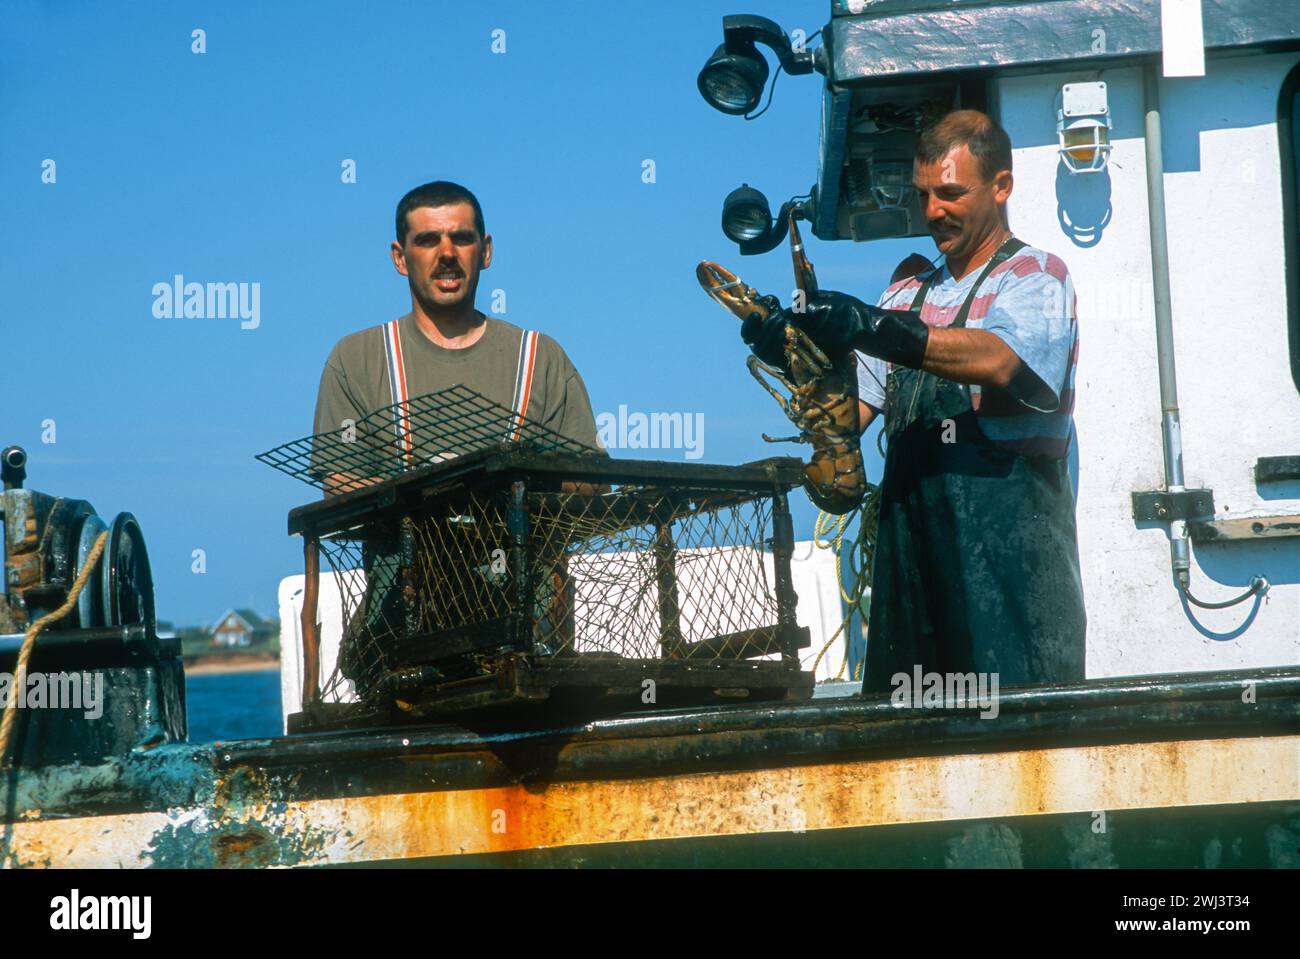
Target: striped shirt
[(1028, 302)]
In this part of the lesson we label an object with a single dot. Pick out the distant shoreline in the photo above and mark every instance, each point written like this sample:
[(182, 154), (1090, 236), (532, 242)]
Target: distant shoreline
[(214, 663)]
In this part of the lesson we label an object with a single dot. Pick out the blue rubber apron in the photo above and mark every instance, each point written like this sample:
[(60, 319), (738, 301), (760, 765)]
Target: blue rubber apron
[(977, 563)]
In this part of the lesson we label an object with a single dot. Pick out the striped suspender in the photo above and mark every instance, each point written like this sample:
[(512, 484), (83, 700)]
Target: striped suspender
[(523, 382), (397, 385), (524, 370)]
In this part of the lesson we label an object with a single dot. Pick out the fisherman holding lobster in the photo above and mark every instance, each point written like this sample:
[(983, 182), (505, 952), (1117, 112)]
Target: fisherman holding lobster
[(972, 362)]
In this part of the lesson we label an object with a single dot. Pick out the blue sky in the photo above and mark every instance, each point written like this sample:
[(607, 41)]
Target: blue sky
[(225, 167)]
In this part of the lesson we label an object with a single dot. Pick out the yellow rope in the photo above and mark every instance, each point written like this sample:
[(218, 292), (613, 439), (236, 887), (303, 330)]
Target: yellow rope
[(29, 641), (862, 544)]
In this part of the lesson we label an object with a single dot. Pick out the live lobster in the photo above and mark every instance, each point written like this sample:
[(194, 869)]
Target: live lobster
[(823, 401)]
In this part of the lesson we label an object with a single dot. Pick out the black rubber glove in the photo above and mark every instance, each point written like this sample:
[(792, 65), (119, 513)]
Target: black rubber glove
[(766, 338), (838, 323)]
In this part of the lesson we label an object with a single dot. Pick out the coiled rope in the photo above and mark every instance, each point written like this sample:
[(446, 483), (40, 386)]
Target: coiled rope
[(863, 552), (861, 556)]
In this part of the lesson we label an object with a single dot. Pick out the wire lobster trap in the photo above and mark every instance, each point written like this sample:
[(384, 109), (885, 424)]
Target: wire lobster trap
[(529, 571)]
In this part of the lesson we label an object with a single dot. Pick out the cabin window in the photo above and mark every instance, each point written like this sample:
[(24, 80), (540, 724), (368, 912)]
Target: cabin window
[(1288, 128)]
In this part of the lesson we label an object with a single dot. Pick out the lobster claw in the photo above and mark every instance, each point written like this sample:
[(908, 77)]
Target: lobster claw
[(732, 293), (762, 325)]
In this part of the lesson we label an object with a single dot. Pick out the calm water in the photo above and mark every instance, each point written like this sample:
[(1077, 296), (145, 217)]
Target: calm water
[(234, 705)]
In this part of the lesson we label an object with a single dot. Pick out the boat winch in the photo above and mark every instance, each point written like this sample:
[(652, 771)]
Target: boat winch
[(99, 680), (47, 543)]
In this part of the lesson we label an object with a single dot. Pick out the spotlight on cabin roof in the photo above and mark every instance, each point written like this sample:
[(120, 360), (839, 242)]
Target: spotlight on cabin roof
[(733, 82), (746, 214), (747, 218), (733, 77)]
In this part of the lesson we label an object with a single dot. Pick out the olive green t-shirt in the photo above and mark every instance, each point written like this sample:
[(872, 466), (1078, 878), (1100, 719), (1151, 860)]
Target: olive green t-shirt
[(355, 380)]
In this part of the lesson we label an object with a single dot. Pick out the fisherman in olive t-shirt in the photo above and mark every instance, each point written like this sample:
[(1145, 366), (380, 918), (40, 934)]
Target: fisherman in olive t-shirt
[(356, 379), (441, 248)]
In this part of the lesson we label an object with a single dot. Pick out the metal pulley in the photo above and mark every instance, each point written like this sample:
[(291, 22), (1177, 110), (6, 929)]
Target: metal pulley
[(119, 591), (126, 581), (90, 602)]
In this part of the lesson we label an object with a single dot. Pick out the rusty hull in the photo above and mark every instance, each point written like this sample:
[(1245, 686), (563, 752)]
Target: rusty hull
[(829, 775)]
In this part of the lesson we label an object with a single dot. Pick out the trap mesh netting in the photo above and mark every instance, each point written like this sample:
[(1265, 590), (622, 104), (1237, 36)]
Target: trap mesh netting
[(636, 574), (432, 428), (500, 538)]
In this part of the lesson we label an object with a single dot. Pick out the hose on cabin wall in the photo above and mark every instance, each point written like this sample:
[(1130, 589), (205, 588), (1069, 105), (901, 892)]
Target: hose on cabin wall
[(1180, 549), (1258, 584)]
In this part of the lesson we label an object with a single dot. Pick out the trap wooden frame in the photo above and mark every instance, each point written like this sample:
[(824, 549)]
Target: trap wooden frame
[(720, 668)]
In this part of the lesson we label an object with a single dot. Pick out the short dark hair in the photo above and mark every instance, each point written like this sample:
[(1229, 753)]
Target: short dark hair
[(437, 193), (987, 142)]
